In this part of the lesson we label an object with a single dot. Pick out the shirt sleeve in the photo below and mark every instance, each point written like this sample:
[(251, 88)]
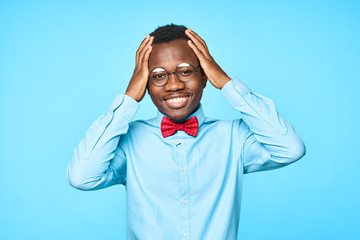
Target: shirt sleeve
[(270, 141), (98, 161)]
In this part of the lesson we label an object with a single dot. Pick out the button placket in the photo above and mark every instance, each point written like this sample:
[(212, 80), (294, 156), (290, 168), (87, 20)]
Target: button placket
[(183, 186)]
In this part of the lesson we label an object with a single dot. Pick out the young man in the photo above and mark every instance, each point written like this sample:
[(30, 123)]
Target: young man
[(182, 171)]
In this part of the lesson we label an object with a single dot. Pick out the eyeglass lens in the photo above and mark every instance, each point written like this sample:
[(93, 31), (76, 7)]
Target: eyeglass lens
[(184, 72)]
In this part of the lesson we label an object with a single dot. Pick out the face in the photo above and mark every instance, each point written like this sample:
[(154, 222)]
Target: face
[(176, 99)]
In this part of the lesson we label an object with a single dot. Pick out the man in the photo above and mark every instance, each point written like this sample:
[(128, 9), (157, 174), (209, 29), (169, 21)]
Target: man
[(182, 171)]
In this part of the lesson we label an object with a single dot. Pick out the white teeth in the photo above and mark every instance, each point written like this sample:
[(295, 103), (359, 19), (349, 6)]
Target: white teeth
[(176, 100)]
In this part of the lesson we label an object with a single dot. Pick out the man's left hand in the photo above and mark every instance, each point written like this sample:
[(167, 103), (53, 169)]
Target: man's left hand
[(213, 71)]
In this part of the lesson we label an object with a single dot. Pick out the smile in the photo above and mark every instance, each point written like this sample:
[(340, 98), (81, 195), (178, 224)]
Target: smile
[(176, 102)]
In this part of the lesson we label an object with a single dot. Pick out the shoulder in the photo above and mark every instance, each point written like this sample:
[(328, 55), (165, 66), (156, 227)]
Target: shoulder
[(142, 123), (235, 129), (224, 126), (142, 126), (223, 123), (141, 133)]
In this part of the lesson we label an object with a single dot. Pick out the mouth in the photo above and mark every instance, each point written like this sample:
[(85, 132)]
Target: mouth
[(176, 102)]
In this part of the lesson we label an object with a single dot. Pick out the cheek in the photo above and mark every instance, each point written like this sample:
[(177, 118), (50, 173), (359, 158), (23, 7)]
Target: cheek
[(152, 92), (198, 88), (155, 96)]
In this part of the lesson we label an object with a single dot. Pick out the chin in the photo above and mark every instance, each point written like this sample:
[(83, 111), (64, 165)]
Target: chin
[(181, 115), (178, 118)]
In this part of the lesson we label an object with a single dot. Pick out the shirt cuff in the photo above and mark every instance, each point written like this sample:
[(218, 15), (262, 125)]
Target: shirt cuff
[(125, 106), (234, 90)]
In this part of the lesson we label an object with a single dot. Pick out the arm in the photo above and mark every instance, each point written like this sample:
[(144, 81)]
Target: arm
[(98, 161), (271, 142)]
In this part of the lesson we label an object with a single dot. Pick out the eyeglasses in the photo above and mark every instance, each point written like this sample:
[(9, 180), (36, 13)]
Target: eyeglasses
[(184, 72)]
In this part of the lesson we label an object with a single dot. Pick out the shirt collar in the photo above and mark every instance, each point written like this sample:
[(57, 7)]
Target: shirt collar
[(199, 115)]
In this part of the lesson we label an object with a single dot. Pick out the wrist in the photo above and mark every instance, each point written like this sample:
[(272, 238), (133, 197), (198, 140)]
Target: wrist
[(224, 81), (136, 97)]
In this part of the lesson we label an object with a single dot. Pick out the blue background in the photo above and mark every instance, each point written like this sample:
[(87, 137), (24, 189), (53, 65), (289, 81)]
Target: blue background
[(63, 62)]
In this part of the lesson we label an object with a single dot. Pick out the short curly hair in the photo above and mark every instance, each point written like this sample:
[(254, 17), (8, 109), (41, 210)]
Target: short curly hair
[(168, 33)]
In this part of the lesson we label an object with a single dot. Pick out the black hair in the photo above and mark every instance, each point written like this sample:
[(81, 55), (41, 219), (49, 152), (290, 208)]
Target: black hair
[(168, 33)]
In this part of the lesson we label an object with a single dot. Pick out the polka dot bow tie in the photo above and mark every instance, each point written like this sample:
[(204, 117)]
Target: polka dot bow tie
[(169, 127)]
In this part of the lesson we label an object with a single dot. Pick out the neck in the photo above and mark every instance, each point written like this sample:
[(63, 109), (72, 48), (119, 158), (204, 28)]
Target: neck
[(182, 120)]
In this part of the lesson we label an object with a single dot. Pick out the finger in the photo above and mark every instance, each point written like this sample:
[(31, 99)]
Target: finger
[(198, 38), (197, 51), (146, 39), (145, 60), (142, 44), (199, 44), (142, 52)]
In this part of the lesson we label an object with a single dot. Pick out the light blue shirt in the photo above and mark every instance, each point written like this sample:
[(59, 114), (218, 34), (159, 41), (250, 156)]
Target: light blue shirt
[(184, 187)]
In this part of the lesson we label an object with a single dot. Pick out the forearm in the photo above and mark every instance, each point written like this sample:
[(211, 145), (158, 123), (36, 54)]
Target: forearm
[(272, 132), (92, 165)]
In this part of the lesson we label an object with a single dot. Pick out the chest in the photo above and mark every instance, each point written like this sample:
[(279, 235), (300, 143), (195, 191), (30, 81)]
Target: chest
[(180, 162)]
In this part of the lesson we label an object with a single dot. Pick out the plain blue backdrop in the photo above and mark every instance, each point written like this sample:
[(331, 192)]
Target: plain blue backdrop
[(63, 62)]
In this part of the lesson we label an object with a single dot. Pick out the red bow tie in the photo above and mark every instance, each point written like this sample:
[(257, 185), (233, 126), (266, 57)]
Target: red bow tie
[(169, 127)]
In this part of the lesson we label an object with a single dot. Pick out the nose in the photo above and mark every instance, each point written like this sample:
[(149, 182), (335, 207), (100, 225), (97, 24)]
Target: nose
[(173, 84)]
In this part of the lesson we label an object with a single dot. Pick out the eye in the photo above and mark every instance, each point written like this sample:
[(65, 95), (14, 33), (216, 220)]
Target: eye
[(158, 76), (185, 72)]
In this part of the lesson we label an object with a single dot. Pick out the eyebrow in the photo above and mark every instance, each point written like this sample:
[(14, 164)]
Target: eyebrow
[(160, 69)]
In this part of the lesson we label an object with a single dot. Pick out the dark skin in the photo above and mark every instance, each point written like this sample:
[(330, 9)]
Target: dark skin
[(168, 56)]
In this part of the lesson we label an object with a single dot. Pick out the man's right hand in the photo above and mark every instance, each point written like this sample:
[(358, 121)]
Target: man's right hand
[(137, 85)]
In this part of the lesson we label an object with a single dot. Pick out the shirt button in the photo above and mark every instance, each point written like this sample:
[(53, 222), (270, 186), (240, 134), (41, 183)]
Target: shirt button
[(185, 202), (182, 169), (238, 87), (260, 109), (185, 234), (100, 129)]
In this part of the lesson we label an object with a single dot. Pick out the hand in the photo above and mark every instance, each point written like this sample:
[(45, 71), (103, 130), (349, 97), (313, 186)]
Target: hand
[(137, 85), (213, 71)]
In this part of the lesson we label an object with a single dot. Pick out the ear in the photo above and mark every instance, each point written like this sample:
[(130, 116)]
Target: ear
[(204, 77)]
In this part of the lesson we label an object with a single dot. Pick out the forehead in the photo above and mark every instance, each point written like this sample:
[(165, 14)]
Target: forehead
[(170, 55)]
